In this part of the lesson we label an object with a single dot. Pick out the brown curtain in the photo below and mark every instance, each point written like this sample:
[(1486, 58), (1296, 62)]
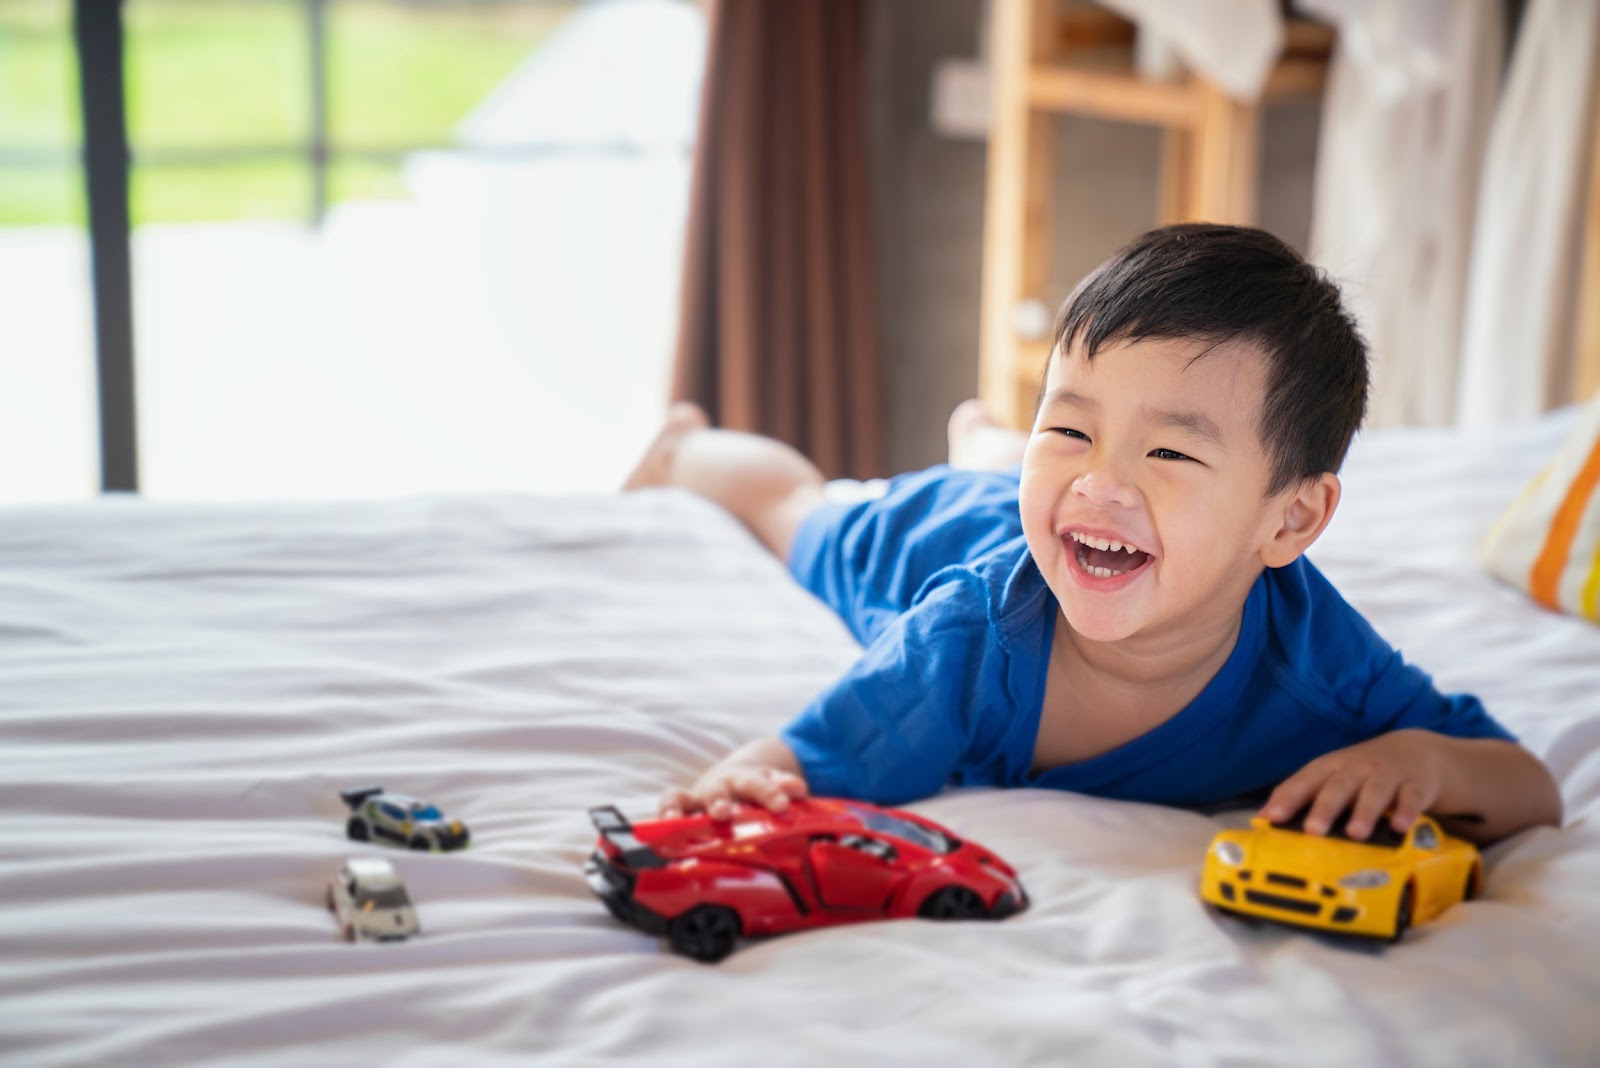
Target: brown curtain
[(777, 331)]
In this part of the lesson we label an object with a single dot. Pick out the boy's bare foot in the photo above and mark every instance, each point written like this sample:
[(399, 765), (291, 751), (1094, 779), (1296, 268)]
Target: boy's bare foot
[(978, 443), (655, 467), (968, 417)]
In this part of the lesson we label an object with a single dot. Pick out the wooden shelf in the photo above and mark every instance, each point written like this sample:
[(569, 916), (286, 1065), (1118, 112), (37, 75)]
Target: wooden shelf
[(1047, 62), (1118, 95), (1113, 90)]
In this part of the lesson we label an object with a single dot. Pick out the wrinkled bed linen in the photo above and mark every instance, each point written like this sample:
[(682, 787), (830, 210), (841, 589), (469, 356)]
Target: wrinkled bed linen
[(184, 689)]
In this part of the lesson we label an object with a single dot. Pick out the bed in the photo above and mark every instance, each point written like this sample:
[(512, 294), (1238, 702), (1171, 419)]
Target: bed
[(185, 688)]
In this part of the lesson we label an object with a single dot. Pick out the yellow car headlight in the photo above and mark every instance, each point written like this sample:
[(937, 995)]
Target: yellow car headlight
[(1370, 879), (1230, 853)]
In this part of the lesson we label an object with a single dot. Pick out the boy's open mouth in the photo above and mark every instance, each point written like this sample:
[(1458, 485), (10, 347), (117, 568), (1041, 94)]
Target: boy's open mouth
[(1103, 558)]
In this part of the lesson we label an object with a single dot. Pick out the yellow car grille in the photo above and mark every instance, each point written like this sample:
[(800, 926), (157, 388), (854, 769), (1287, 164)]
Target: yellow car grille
[(1278, 901), (1302, 899)]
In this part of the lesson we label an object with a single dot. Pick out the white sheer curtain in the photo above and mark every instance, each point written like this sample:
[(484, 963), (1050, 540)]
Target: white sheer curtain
[(1234, 43), (1517, 351), (1447, 204), (1406, 114)]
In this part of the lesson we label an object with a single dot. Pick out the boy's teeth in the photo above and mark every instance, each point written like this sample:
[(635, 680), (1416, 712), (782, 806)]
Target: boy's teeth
[(1102, 543)]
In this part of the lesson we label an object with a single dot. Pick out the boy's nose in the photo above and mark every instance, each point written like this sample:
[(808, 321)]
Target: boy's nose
[(1102, 487)]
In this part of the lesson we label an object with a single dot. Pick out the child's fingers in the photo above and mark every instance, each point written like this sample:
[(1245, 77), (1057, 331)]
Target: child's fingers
[(674, 803), (717, 798), (1376, 796), (791, 784), (766, 787), (779, 787), (769, 792), (1294, 792), (1334, 797), (1410, 802), (761, 786)]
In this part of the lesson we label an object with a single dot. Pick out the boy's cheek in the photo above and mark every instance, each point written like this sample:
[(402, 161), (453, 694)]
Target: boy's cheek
[(1038, 492), (1038, 523)]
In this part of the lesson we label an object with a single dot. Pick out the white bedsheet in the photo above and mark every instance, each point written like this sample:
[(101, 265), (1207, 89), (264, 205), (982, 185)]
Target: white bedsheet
[(184, 689)]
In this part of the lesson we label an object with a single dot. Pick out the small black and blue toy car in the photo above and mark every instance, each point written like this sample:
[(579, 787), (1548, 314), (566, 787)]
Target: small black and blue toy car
[(380, 816)]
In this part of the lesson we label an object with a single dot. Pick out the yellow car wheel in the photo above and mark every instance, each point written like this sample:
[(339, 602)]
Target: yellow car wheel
[(1402, 915), (1471, 892)]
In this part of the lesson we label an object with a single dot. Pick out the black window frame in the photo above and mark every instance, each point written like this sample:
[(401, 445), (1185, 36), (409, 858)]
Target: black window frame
[(99, 36)]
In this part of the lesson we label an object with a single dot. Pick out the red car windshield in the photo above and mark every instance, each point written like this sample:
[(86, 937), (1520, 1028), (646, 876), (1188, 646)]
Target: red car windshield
[(905, 830)]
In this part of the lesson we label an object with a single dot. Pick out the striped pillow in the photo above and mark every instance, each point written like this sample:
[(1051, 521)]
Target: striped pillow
[(1548, 542)]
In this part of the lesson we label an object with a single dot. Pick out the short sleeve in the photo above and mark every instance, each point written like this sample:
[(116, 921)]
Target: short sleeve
[(907, 714), (1403, 696), (1334, 656)]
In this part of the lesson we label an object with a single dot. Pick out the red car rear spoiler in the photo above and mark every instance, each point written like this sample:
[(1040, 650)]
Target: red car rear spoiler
[(615, 828)]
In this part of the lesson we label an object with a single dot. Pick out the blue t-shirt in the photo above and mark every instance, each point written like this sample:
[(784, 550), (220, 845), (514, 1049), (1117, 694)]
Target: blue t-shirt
[(935, 580)]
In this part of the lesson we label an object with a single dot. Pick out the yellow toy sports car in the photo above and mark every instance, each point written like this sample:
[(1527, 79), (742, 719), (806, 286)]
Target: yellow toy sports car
[(1377, 888)]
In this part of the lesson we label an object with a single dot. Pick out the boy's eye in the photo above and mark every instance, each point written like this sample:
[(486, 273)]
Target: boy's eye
[(1169, 454), (1067, 431)]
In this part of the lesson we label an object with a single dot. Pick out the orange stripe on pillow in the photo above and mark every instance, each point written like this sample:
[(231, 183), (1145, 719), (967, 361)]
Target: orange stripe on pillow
[(1544, 581)]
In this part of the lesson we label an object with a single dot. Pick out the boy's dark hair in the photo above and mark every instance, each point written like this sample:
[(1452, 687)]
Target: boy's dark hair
[(1237, 283)]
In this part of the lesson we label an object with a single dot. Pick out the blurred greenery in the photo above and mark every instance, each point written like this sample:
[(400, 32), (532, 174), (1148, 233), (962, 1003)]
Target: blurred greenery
[(208, 74)]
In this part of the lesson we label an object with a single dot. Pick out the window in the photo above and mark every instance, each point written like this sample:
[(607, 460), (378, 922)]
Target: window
[(380, 247)]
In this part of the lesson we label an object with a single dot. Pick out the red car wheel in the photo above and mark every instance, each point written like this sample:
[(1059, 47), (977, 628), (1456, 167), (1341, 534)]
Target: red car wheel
[(953, 903), (706, 933)]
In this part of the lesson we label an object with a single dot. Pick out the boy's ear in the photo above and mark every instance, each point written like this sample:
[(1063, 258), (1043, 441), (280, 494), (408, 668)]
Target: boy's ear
[(1305, 513)]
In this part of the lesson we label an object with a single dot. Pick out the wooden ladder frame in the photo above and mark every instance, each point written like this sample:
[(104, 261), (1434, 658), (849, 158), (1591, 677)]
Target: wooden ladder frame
[(1209, 161), (1043, 66)]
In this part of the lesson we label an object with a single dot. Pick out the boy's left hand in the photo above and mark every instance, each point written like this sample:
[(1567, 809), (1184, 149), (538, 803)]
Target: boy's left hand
[(1399, 773)]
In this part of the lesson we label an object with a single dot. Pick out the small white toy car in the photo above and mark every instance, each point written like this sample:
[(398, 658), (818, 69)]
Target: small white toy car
[(378, 815), (370, 903)]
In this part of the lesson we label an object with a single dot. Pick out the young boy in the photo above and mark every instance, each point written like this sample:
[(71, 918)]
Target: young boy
[(1132, 617)]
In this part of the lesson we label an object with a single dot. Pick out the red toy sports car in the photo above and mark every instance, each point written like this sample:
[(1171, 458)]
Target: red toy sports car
[(703, 883)]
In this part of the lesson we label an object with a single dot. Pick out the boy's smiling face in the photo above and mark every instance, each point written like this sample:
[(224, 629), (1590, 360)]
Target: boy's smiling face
[(1153, 446)]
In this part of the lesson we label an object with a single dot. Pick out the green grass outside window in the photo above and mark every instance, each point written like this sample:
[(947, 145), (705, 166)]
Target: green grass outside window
[(221, 73)]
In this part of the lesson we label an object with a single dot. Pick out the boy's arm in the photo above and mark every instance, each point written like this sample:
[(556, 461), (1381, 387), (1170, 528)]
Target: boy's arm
[(1483, 789), (764, 772), (891, 729)]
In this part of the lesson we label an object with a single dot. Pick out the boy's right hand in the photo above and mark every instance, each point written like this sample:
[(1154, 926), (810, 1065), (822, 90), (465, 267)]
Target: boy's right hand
[(764, 773)]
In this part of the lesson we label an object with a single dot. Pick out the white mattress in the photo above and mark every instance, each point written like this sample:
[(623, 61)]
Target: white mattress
[(184, 689)]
